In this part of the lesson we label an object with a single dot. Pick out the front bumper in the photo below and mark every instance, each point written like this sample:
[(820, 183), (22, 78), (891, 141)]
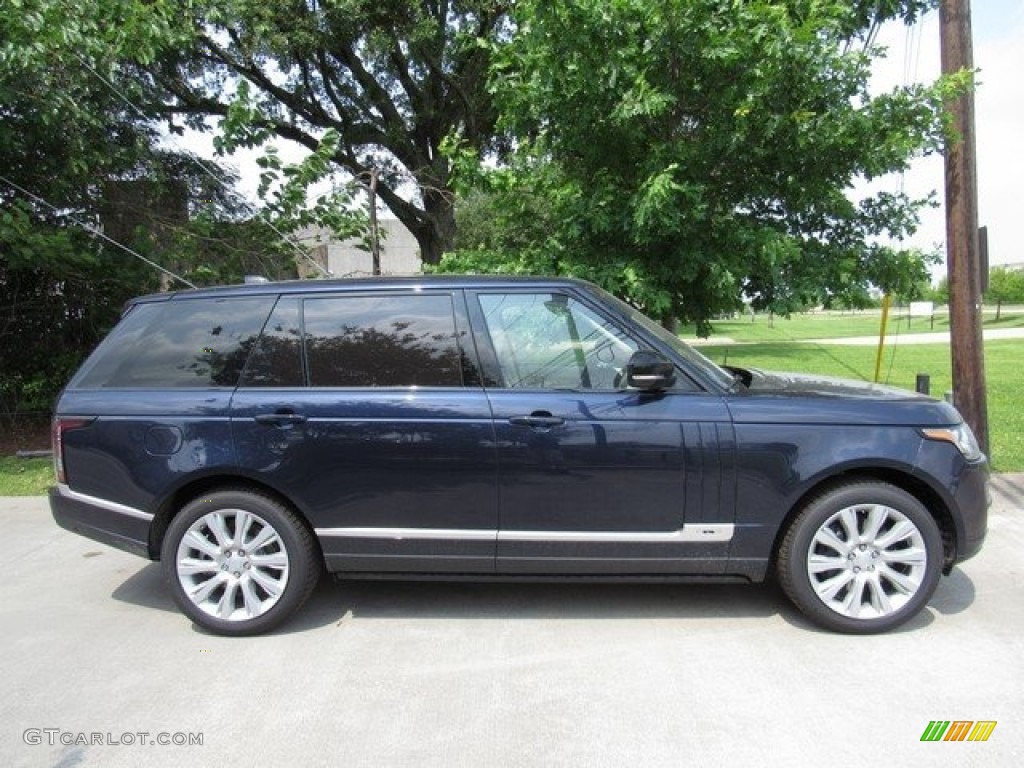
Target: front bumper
[(972, 499)]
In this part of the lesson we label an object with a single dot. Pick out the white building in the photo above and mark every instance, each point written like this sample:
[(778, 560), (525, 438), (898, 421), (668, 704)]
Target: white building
[(399, 252)]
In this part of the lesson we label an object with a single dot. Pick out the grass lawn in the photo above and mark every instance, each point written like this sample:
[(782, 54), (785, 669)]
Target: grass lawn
[(25, 477)]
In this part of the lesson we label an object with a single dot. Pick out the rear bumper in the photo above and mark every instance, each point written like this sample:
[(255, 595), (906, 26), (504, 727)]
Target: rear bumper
[(104, 521)]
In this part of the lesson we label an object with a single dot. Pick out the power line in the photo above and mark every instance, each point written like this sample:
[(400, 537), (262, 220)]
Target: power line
[(95, 231)]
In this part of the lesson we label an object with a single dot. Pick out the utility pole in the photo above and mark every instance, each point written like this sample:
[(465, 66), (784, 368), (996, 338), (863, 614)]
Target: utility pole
[(374, 230), (962, 262)]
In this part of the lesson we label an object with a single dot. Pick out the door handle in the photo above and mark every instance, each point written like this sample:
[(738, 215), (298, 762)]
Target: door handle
[(539, 420), (279, 419)]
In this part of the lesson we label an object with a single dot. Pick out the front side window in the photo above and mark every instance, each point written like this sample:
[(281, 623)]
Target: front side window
[(552, 341), (382, 341), (181, 343)]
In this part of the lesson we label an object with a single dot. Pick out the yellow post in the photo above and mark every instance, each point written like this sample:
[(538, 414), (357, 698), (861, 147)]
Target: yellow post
[(886, 301)]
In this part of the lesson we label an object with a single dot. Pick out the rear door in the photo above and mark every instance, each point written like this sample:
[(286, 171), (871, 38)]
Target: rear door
[(367, 410), (594, 478)]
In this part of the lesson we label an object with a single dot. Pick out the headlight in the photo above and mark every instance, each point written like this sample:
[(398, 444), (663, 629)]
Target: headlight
[(961, 436)]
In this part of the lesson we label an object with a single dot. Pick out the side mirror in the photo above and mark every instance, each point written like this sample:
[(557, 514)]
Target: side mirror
[(649, 371)]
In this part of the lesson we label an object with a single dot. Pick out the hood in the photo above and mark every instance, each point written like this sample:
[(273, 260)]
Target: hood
[(772, 397), (811, 385)]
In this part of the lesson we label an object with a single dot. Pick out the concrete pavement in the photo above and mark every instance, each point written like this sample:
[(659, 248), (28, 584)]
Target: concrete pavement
[(393, 674), (994, 334)]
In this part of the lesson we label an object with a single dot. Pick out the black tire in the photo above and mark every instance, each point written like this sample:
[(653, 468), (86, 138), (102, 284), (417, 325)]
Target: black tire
[(223, 587), (881, 579)]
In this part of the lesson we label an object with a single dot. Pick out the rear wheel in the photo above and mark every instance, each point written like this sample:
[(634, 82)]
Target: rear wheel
[(239, 562), (861, 557)]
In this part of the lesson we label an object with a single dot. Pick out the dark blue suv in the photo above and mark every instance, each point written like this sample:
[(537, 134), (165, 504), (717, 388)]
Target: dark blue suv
[(250, 437)]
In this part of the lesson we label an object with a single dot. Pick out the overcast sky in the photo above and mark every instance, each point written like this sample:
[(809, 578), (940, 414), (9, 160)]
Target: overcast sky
[(998, 27)]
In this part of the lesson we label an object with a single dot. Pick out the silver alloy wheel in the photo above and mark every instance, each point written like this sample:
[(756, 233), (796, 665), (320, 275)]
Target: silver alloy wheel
[(232, 564), (867, 561)]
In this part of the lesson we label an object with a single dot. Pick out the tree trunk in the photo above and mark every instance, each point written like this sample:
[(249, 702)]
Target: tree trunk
[(436, 232)]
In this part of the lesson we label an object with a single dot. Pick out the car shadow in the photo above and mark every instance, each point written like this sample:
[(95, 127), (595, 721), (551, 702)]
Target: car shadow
[(955, 593), (334, 602), (146, 588), (339, 602), (348, 600)]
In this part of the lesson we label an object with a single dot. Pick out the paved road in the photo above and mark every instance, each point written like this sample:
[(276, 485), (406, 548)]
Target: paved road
[(388, 674)]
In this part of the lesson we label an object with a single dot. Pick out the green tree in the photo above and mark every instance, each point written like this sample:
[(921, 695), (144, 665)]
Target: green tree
[(904, 274), (388, 80), (76, 159), (1005, 286), (686, 151), (61, 135), (940, 292)]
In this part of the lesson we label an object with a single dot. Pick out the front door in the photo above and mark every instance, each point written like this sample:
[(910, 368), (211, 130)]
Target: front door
[(594, 478)]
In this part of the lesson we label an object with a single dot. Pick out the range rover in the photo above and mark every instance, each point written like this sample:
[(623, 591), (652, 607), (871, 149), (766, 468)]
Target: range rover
[(253, 437)]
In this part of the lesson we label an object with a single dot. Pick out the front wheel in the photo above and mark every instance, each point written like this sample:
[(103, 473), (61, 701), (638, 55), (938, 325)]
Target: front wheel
[(862, 557), (239, 562)]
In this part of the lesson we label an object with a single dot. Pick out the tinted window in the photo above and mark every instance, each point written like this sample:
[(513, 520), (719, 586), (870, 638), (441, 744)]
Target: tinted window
[(277, 359), (551, 341), (183, 343), (382, 341)]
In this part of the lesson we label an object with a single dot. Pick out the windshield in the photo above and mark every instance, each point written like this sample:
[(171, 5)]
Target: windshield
[(720, 376)]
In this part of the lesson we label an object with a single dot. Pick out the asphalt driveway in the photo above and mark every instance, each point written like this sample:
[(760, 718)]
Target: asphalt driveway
[(99, 669)]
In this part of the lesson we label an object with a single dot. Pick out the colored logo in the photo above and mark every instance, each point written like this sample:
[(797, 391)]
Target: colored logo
[(958, 730)]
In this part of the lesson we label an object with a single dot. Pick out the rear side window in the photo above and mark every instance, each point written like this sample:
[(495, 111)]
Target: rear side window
[(183, 343), (382, 341)]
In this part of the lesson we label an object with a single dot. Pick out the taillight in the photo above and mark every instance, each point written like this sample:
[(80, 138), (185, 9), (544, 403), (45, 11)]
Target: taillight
[(60, 426)]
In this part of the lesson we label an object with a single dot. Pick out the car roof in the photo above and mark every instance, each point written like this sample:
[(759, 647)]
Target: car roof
[(355, 284)]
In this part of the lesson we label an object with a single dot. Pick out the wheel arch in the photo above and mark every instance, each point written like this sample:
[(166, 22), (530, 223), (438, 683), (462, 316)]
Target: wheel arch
[(906, 481), (198, 486)]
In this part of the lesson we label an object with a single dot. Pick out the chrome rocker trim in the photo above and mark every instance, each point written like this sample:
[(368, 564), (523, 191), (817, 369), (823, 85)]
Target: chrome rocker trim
[(694, 533)]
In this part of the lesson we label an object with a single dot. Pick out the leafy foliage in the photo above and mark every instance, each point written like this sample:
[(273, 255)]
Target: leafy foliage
[(60, 291), (60, 135), (78, 157), (688, 152)]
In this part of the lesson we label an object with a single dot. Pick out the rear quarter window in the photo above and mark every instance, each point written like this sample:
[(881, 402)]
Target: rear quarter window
[(276, 361), (177, 344)]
